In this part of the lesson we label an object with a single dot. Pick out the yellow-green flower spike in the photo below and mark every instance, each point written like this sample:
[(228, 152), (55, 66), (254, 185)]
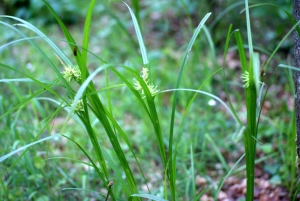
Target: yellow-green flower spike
[(79, 106), (144, 74), (245, 78), (137, 85), (70, 73)]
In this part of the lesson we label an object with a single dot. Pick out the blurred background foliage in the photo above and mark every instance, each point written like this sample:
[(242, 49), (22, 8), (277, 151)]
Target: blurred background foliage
[(166, 18)]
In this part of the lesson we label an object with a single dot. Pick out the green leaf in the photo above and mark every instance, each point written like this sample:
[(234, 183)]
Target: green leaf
[(64, 29), (86, 33), (139, 36), (3, 158), (171, 165), (101, 175)]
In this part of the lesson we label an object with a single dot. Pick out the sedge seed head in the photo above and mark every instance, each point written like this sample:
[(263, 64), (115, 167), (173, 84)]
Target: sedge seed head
[(245, 78), (70, 72), (79, 107), (144, 74)]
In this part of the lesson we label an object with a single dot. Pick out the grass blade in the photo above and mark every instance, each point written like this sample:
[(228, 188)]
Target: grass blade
[(227, 175), (219, 154), (85, 39), (171, 161), (139, 36), (67, 34), (151, 111), (6, 156), (229, 34), (101, 175), (57, 50)]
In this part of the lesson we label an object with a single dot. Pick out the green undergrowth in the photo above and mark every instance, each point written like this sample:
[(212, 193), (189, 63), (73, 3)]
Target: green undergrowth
[(111, 114)]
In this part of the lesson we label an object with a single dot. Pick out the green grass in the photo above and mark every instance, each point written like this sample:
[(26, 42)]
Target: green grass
[(68, 140)]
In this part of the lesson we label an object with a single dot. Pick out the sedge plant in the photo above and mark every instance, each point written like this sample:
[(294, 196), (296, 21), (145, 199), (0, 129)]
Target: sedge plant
[(251, 81), (253, 87), (85, 101)]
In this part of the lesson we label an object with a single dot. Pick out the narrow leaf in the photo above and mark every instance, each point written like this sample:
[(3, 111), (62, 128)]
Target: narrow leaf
[(139, 36), (3, 158)]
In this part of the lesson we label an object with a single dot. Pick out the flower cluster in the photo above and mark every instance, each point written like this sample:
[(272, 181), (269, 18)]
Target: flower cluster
[(70, 73), (245, 78), (79, 106), (144, 74)]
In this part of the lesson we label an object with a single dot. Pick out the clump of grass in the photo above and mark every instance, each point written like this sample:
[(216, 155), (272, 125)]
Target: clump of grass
[(86, 101)]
